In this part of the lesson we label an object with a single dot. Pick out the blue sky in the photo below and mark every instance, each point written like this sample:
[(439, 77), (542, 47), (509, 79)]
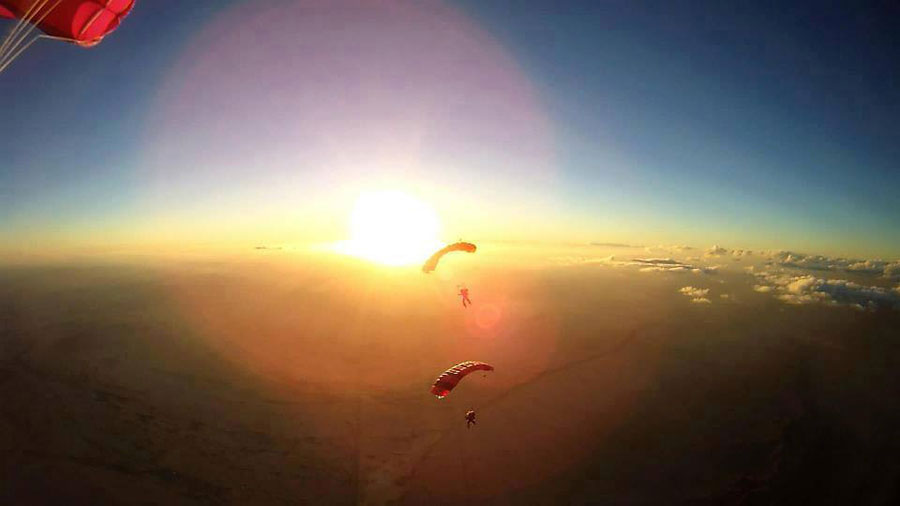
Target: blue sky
[(765, 126), (776, 118)]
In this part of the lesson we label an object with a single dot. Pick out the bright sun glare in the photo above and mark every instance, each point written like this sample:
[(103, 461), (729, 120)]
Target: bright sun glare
[(391, 228)]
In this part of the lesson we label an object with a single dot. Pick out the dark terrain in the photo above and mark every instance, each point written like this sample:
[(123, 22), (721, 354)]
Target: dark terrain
[(267, 383)]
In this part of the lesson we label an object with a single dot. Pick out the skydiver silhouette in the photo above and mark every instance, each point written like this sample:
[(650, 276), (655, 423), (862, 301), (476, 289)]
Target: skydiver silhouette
[(464, 293), (470, 418)]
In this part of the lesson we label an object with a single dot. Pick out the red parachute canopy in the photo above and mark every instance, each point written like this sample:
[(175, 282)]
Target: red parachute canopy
[(83, 22), (451, 377), (432, 262)]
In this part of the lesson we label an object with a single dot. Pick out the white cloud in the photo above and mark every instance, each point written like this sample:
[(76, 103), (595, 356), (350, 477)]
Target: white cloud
[(801, 284), (808, 289), (719, 251), (887, 269), (697, 295), (690, 291), (892, 270), (658, 261), (661, 264), (615, 245), (801, 261), (583, 260), (867, 266), (669, 249), (716, 251), (660, 268), (670, 265)]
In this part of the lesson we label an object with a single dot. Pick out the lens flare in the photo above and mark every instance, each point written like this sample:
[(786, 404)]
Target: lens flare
[(391, 228)]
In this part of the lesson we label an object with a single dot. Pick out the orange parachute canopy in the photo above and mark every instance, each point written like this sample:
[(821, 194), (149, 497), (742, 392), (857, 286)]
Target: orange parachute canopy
[(83, 22), (432, 261), (448, 380)]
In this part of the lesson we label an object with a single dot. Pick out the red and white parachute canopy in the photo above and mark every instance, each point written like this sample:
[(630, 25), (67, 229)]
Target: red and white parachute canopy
[(448, 380), (81, 22)]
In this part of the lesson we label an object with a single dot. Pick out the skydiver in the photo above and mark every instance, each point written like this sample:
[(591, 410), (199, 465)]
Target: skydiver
[(470, 418), (464, 293)]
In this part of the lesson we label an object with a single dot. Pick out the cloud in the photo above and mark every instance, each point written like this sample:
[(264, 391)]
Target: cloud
[(716, 251), (884, 268), (583, 260), (665, 269), (808, 289), (810, 262), (697, 295), (668, 248), (658, 261), (615, 245), (719, 251), (670, 265), (643, 264), (867, 266), (892, 271), (690, 291)]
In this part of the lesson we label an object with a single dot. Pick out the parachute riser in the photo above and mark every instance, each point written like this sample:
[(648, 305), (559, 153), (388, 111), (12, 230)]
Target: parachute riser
[(12, 46)]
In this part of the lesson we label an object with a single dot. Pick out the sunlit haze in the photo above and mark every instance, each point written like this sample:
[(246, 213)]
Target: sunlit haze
[(391, 228)]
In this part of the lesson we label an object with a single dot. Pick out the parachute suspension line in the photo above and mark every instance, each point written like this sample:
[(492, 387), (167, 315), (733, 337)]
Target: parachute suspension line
[(19, 24), (13, 44), (14, 38), (11, 57)]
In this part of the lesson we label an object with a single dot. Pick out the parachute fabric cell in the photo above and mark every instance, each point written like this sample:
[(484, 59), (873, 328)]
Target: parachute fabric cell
[(433, 260), (83, 22), (448, 380)]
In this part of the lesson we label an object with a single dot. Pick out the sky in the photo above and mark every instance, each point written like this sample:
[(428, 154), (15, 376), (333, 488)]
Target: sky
[(260, 121)]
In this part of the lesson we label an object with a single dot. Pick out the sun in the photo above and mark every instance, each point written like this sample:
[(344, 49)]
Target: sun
[(391, 228)]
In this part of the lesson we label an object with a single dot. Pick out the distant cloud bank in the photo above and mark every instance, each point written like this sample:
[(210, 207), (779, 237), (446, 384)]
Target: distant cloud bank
[(793, 278), (884, 268), (809, 289), (644, 264), (670, 265), (615, 245)]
